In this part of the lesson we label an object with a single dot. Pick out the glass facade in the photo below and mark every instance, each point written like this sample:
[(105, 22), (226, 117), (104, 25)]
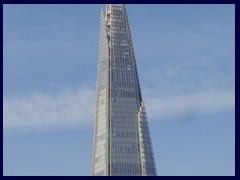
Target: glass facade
[(122, 143)]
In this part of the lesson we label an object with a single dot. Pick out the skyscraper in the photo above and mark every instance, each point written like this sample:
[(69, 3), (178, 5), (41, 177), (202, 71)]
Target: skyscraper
[(122, 144)]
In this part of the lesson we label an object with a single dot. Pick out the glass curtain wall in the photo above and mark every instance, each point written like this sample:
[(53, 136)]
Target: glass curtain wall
[(122, 144)]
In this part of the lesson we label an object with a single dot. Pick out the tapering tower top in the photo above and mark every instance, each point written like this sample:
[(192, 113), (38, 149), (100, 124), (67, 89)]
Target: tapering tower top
[(122, 144)]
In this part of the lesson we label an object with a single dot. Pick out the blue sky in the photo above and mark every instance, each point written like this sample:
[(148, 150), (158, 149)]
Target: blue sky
[(186, 62)]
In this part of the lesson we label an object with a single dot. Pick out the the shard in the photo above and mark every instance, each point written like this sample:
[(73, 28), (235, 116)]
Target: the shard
[(122, 144)]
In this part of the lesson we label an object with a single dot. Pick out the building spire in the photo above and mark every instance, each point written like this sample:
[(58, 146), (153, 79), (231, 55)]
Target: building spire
[(122, 144)]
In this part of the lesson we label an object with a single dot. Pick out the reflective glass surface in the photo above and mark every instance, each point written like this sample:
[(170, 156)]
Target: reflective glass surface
[(122, 144)]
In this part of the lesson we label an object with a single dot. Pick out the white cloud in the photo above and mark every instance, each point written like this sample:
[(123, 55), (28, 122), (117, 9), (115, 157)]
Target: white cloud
[(181, 106), (39, 109), (76, 107)]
